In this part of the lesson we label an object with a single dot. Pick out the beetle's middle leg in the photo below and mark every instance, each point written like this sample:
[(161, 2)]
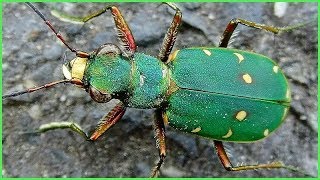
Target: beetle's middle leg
[(160, 141), (232, 25), (62, 125), (171, 34), (104, 124), (229, 167), (109, 120)]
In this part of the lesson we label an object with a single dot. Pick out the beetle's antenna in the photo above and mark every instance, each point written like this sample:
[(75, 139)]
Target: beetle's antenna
[(30, 90), (48, 23)]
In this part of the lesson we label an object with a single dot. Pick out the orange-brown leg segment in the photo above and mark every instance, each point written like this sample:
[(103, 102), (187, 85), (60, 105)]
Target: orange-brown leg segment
[(160, 141), (124, 33), (109, 120), (228, 166), (171, 34)]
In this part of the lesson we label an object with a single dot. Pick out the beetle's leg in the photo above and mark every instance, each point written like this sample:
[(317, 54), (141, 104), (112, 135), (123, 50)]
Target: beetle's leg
[(232, 25), (160, 141), (229, 167), (171, 34), (62, 125), (109, 120), (124, 33), (105, 123)]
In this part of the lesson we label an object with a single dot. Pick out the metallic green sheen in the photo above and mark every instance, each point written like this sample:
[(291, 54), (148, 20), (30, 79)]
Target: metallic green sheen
[(149, 82), (212, 91), (144, 78), (222, 73), (209, 90), (215, 114), (108, 74)]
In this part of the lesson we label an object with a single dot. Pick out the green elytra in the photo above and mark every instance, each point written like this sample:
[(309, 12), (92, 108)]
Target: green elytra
[(218, 93), (210, 90)]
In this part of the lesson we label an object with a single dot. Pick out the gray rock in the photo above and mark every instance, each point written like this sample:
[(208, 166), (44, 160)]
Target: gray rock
[(128, 148)]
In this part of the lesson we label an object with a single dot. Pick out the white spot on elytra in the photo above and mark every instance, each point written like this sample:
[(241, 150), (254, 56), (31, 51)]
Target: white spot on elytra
[(241, 115), (229, 134), (266, 132), (196, 130), (239, 56), (207, 52), (247, 78), (275, 69)]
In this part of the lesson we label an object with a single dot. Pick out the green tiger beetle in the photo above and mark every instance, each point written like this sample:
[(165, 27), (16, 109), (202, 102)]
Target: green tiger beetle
[(214, 92)]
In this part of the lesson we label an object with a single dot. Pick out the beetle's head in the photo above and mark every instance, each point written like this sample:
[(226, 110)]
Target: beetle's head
[(107, 75), (103, 82)]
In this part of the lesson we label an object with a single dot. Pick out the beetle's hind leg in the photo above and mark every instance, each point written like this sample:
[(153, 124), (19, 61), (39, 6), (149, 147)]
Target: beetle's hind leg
[(160, 141), (229, 167), (232, 25)]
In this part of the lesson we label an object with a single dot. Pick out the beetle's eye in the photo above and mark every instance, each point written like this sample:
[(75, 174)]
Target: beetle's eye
[(109, 50), (98, 96)]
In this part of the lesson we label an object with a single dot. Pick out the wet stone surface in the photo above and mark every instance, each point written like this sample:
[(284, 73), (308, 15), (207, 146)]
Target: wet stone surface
[(32, 55)]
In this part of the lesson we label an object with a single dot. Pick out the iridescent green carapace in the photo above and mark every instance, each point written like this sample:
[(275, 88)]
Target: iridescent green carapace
[(227, 94), (219, 93)]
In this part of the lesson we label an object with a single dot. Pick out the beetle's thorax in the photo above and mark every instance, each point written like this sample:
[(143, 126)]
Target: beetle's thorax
[(149, 82)]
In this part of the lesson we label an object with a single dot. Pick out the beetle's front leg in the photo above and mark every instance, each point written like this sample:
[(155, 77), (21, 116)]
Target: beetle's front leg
[(109, 120), (171, 34), (229, 167), (232, 25), (124, 33), (160, 141)]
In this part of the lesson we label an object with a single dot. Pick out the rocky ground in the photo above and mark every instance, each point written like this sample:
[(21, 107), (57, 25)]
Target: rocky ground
[(33, 56)]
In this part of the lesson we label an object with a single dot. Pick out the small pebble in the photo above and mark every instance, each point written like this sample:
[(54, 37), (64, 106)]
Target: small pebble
[(35, 112), (280, 9), (172, 172)]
